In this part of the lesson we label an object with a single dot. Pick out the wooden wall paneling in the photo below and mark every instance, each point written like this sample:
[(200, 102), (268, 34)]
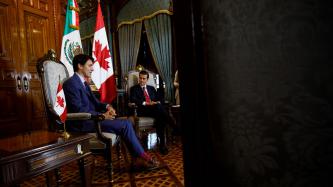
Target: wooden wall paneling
[(10, 123), (44, 5), (27, 2), (30, 30), (5, 50), (9, 48), (38, 113), (11, 116), (59, 15), (39, 37)]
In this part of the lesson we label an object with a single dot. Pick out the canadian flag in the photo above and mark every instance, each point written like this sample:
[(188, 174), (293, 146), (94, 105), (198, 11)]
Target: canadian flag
[(60, 104), (103, 75)]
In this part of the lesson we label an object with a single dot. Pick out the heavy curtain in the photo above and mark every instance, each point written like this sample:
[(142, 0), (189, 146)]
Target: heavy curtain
[(159, 35), (129, 44)]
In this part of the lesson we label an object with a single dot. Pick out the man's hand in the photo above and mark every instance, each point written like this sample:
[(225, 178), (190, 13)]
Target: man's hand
[(111, 113), (153, 103), (108, 116)]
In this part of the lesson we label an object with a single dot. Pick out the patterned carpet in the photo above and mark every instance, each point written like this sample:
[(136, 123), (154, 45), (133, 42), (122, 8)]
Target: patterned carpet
[(171, 175)]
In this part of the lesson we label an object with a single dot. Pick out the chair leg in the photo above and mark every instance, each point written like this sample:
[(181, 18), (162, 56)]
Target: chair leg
[(123, 151), (144, 139), (108, 157), (118, 148), (85, 171)]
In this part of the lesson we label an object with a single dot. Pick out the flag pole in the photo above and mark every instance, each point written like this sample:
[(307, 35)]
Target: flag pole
[(65, 134)]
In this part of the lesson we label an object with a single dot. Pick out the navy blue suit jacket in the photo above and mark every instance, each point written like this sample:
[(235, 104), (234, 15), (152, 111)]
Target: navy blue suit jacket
[(79, 99)]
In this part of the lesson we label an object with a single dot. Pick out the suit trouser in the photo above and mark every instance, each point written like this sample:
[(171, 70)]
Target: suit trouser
[(161, 116), (125, 130)]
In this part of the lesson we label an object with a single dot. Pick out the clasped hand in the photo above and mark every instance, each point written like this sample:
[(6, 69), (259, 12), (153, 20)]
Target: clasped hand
[(153, 103), (110, 114)]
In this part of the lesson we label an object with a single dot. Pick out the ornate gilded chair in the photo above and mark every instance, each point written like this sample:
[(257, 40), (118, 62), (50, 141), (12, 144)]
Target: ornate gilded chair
[(51, 71)]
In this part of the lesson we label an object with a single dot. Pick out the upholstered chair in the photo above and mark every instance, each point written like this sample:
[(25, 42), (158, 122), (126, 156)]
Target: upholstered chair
[(142, 125), (51, 72)]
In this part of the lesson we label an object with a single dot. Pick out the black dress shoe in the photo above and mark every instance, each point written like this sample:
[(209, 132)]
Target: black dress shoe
[(143, 165), (164, 150)]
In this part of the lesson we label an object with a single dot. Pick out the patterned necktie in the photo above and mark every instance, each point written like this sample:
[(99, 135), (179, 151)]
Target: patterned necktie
[(146, 94)]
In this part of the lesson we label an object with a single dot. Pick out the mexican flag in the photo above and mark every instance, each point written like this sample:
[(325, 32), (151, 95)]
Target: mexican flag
[(103, 75), (71, 40)]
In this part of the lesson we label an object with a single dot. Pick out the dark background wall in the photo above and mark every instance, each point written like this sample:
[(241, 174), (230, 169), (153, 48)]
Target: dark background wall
[(262, 71)]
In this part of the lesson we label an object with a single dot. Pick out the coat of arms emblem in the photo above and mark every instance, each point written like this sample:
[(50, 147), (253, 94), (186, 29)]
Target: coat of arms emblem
[(71, 49)]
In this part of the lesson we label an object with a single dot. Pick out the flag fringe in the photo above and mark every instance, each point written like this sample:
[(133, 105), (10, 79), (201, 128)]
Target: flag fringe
[(74, 8), (74, 27)]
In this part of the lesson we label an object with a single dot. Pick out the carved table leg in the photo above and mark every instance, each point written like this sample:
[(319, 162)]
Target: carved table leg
[(53, 178), (85, 170)]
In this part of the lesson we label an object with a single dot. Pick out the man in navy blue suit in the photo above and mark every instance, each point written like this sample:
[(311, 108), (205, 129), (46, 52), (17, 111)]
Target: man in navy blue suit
[(149, 104), (79, 98)]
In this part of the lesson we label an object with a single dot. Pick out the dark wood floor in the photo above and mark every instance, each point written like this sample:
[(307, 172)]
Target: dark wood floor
[(171, 175)]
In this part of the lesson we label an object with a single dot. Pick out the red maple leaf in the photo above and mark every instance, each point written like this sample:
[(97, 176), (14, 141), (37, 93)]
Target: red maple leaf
[(101, 55), (60, 101)]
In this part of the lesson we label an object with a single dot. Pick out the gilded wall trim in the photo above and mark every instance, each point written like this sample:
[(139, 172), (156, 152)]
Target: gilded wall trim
[(144, 18)]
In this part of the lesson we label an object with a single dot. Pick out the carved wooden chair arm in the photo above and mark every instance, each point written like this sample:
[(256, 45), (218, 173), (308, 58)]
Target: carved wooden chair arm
[(96, 118)]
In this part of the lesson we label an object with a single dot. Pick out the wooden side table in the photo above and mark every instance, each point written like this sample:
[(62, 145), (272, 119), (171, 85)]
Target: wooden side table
[(27, 155)]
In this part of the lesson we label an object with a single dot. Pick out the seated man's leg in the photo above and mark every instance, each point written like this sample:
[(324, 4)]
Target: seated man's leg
[(124, 128), (160, 130), (164, 115), (161, 122), (158, 112)]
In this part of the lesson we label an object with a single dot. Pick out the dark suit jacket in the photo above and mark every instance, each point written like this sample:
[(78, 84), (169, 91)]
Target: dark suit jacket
[(156, 111), (137, 96), (79, 99)]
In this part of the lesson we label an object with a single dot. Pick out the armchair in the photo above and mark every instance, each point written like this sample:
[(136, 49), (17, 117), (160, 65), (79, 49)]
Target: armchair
[(51, 71), (143, 125)]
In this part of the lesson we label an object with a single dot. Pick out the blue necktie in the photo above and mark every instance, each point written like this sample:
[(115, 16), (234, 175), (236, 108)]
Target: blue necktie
[(86, 85)]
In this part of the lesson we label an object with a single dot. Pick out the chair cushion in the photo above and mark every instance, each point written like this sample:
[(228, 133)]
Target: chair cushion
[(146, 122), (53, 73), (133, 79), (97, 144)]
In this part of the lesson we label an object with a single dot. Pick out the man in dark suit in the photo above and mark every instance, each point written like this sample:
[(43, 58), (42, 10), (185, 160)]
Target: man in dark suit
[(149, 104), (79, 98)]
